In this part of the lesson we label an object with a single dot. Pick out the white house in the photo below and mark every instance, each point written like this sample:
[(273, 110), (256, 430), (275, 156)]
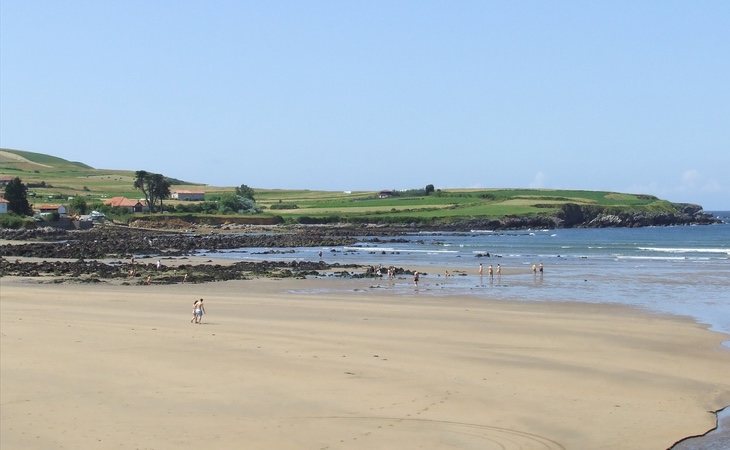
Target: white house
[(188, 195), (4, 206)]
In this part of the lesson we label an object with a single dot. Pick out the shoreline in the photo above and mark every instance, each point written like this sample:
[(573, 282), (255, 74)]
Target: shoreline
[(346, 370)]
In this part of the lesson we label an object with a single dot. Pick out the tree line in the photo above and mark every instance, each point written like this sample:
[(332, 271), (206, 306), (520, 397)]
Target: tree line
[(155, 188)]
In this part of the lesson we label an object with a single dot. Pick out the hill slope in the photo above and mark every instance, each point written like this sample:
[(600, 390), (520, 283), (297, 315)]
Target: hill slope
[(49, 176), (29, 161), (52, 176)]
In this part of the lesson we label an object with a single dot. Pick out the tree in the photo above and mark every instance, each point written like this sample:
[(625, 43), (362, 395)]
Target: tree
[(141, 178), (159, 188), (154, 186), (78, 205), (16, 193), (245, 191), (429, 189), (230, 203)]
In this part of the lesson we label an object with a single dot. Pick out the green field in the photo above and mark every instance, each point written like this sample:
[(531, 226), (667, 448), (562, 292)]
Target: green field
[(55, 178)]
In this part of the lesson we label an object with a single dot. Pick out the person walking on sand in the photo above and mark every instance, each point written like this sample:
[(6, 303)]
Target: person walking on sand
[(541, 268), (481, 269), (490, 271), (415, 279), (198, 311), (499, 270)]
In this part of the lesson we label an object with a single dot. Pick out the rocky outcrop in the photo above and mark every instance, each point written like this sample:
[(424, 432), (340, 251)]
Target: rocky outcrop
[(593, 216)]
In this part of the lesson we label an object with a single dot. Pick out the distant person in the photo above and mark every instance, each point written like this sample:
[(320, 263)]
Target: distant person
[(148, 280), (481, 269), (158, 264), (534, 268), (415, 278), (198, 311), (540, 268), (490, 271), (499, 270), (320, 254)]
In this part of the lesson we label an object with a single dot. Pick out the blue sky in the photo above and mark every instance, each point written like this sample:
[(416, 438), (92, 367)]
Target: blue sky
[(621, 96)]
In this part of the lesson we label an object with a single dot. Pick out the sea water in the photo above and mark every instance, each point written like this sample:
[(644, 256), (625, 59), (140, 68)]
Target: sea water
[(681, 270)]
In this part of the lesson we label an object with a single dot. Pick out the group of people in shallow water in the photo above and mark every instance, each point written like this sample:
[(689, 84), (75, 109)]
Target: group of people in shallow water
[(491, 270)]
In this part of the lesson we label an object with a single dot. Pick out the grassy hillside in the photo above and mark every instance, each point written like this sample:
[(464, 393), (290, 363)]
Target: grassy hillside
[(63, 178), (49, 176), (450, 204)]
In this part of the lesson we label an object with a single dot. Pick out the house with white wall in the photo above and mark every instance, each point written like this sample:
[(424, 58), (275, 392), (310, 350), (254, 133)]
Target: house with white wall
[(50, 209), (193, 196)]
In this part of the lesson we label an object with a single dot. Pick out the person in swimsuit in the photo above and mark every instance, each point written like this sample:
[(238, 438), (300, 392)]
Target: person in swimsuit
[(198, 311)]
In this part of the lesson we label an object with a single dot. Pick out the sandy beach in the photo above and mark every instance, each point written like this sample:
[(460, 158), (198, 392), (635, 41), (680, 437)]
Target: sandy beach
[(110, 366)]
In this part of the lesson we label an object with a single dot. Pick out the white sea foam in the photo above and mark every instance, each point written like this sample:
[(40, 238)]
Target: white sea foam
[(686, 250), (653, 258), (393, 250)]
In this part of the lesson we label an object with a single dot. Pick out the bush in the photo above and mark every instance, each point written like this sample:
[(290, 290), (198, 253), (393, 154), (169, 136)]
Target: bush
[(14, 221), (410, 193), (308, 220), (284, 206)]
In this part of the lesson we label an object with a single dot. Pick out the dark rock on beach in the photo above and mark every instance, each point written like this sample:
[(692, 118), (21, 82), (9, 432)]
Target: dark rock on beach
[(95, 271), (123, 242)]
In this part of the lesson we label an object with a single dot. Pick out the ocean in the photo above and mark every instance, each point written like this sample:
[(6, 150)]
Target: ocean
[(680, 270)]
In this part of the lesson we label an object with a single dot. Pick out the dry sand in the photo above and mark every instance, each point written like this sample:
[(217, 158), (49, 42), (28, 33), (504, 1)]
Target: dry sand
[(104, 366)]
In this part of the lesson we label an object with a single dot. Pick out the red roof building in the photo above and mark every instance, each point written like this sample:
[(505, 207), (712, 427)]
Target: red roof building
[(124, 202)]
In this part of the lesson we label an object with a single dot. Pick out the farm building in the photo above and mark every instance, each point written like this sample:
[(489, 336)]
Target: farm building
[(188, 195), (50, 209), (123, 202), (5, 180)]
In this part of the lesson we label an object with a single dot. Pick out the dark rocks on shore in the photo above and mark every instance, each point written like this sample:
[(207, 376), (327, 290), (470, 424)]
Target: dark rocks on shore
[(95, 271), (123, 242)]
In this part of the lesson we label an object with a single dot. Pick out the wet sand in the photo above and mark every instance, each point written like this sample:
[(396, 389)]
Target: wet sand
[(108, 366)]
